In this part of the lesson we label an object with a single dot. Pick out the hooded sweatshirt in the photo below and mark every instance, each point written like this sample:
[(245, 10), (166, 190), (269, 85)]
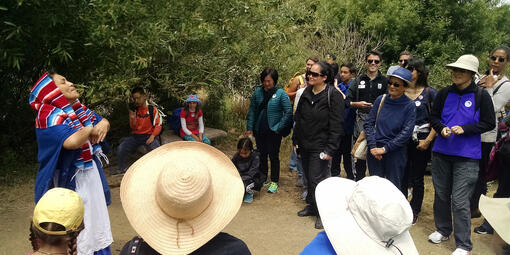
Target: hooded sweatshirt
[(395, 123)]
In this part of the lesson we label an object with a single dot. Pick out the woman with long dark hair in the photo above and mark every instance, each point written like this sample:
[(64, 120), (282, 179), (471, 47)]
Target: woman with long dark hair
[(419, 149), (317, 130)]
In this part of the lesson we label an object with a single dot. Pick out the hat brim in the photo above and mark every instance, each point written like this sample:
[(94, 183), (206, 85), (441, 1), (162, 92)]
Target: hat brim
[(166, 234), (400, 77), (497, 212), (462, 66), (341, 228)]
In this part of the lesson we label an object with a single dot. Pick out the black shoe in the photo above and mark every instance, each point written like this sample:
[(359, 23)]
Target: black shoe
[(318, 223), (476, 214), (308, 211), (415, 218), (483, 230)]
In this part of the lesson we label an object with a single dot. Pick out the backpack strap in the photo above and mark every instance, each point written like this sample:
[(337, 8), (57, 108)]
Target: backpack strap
[(151, 114), (478, 98), (379, 110), (427, 90), (497, 88), (134, 246)]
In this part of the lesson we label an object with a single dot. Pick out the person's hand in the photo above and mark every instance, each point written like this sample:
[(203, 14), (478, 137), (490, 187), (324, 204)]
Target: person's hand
[(149, 140), (457, 130), (248, 133), (326, 157), (200, 139), (132, 114), (423, 145), (361, 104), (377, 152), (295, 148), (99, 131), (489, 80), (195, 137), (446, 132)]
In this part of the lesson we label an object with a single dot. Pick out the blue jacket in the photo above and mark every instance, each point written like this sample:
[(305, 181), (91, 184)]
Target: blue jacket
[(472, 109), (279, 110), (320, 245), (349, 113), (395, 123)]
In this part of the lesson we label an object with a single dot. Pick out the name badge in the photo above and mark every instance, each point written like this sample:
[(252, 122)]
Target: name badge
[(274, 95), (361, 86), (379, 86), (417, 103), (468, 104)]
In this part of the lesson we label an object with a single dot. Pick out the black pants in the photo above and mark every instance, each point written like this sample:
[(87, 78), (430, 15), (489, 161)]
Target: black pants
[(481, 184), (503, 186), (315, 170), (268, 144), (344, 152), (413, 175)]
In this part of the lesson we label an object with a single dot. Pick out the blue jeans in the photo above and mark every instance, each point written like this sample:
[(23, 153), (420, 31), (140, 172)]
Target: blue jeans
[(204, 139), (391, 166), (293, 161), (129, 145), (454, 181)]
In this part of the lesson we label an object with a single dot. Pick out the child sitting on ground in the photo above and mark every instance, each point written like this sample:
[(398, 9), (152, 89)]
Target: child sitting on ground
[(247, 163), (192, 121)]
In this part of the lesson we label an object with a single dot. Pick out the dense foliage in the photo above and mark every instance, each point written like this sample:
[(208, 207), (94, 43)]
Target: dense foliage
[(177, 47)]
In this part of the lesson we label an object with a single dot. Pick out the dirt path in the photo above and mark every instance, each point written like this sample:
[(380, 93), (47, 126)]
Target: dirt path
[(269, 225)]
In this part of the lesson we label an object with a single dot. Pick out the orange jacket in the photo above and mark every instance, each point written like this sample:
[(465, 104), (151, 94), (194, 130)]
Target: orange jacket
[(141, 122)]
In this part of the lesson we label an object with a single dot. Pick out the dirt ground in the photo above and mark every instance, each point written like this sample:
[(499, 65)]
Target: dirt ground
[(268, 226)]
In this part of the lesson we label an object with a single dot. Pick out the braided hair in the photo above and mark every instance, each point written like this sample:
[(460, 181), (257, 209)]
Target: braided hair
[(36, 237)]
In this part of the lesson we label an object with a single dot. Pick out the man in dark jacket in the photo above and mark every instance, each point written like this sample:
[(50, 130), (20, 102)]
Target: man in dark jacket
[(361, 96), (318, 129), (460, 114)]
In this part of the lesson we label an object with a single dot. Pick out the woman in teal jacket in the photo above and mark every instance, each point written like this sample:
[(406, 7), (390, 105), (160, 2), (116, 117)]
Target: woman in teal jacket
[(270, 113)]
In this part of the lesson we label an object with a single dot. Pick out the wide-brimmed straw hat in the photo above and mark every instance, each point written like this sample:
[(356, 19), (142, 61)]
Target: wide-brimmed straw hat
[(180, 195), (61, 206), (367, 217), (497, 212), (403, 74), (467, 62)]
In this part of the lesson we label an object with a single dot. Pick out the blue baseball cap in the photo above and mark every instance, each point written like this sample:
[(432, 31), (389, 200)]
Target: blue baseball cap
[(402, 74)]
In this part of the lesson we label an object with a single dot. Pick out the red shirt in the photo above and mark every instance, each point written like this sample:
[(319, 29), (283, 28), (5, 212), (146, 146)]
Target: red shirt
[(191, 121)]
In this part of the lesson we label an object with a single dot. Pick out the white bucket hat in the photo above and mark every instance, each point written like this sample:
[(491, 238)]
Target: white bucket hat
[(367, 217), (467, 62), (497, 212), (180, 195)]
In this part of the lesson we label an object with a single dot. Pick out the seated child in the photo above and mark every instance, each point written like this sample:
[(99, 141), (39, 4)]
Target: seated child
[(247, 163), (192, 122)]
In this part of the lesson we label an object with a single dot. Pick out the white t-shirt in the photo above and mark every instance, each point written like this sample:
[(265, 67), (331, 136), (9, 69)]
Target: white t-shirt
[(500, 99)]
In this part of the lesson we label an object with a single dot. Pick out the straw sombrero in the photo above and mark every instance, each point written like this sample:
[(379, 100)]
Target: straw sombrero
[(180, 195)]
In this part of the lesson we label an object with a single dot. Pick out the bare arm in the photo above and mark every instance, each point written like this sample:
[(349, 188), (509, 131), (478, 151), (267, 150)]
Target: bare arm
[(77, 139)]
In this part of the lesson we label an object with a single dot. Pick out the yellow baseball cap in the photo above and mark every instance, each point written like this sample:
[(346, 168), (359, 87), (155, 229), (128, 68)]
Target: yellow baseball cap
[(61, 206)]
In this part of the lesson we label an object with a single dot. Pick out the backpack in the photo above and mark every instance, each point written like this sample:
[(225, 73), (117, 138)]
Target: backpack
[(137, 246), (301, 81), (162, 116), (175, 120)]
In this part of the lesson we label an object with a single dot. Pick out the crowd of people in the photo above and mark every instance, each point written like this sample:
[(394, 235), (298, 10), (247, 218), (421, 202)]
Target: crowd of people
[(181, 195)]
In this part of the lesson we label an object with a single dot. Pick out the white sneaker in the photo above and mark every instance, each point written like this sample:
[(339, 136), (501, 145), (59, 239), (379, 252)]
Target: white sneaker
[(460, 251), (436, 238)]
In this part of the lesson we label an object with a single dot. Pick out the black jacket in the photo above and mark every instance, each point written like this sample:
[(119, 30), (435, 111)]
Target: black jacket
[(364, 89), (319, 123)]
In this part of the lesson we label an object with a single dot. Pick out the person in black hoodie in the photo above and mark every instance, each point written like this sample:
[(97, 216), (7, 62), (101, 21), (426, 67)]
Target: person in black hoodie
[(317, 130), (247, 162), (388, 129)]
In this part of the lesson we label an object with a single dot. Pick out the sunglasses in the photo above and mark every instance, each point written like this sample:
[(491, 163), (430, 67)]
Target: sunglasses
[(499, 59), (403, 61), (313, 74), (370, 61), (394, 84)]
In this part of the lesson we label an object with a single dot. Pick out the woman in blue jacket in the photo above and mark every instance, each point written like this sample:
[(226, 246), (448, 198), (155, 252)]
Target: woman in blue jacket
[(389, 129), (270, 112)]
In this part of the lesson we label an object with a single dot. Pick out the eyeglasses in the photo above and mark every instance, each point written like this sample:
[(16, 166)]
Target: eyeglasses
[(499, 59), (394, 84), (370, 61), (313, 74)]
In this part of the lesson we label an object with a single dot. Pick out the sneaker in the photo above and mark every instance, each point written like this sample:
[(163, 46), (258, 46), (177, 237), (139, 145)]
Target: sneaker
[(460, 251), (303, 196), (482, 230), (299, 182), (437, 237), (273, 187), (248, 198)]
